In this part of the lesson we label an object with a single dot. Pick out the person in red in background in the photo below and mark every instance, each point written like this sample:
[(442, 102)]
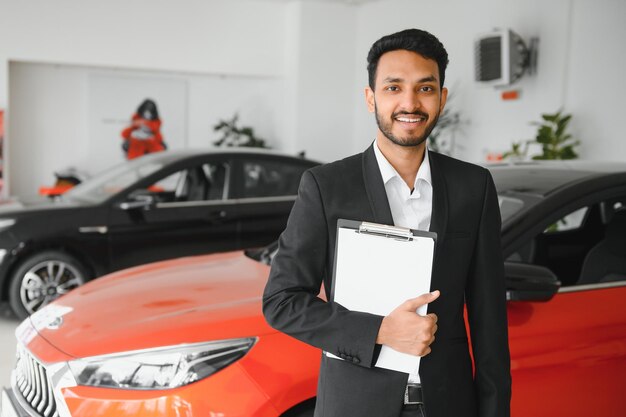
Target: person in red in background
[(143, 136)]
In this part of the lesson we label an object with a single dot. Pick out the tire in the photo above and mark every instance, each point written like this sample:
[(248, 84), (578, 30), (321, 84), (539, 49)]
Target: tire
[(304, 413), (41, 278), (304, 409)]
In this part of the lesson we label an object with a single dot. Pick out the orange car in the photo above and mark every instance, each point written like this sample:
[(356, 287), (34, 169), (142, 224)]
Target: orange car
[(186, 337), (177, 338)]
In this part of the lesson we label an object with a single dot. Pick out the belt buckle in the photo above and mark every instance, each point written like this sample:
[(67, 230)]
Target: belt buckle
[(407, 400)]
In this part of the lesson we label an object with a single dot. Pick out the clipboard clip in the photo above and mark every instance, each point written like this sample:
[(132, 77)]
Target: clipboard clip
[(386, 230)]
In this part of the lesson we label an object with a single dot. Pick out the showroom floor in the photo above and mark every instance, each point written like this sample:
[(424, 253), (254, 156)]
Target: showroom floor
[(8, 323)]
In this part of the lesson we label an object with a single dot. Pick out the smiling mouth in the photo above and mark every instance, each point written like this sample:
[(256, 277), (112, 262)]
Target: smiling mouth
[(410, 119)]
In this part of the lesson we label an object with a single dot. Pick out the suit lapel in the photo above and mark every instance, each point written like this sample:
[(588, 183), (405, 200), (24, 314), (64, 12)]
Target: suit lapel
[(439, 218), (375, 188)]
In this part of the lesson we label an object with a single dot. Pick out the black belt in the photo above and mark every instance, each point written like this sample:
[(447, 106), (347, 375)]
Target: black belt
[(413, 394)]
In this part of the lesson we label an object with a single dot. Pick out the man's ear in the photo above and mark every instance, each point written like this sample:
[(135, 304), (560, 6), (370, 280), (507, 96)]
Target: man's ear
[(444, 98), (370, 100)]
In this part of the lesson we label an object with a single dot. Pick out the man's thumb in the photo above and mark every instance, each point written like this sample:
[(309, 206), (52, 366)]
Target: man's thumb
[(414, 303)]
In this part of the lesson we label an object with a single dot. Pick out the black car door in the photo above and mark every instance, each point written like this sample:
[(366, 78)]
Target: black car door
[(266, 187), (187, 212)]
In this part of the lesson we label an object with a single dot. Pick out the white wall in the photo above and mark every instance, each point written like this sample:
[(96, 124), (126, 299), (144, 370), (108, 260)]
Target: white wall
[(596, 85), (258, 101), (39, 140), (321, 71), (216, 36)]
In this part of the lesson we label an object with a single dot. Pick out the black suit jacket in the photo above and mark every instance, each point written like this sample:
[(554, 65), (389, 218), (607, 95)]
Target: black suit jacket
[(468, 268)]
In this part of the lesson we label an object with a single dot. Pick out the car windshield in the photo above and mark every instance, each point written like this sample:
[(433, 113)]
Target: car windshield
[(509, 206), (110, 182), (518, 189), (512, 204)]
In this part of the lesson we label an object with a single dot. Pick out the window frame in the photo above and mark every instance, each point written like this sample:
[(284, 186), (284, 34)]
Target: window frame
[(184, 165), (544, 214), (238, 183)]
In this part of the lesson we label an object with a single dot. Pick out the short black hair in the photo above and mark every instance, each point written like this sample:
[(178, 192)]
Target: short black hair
[(414, 40)]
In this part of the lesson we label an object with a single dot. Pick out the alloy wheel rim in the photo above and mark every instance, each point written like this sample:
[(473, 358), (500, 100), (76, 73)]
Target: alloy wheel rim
[(46, 281)]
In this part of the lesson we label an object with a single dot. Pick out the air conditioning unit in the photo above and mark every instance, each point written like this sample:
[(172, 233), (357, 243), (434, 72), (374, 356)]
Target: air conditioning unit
[(501, 57)]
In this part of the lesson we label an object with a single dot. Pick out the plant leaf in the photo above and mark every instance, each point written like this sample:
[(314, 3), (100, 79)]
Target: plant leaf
[(550, 117)]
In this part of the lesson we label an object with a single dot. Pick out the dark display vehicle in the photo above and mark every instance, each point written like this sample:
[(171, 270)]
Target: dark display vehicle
[(160, 206)]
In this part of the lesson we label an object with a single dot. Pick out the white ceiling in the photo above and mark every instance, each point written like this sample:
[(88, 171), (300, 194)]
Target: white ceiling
[(355, 2)]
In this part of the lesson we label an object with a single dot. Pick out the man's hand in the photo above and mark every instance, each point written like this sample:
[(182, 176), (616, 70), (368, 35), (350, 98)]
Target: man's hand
[(406, 331)]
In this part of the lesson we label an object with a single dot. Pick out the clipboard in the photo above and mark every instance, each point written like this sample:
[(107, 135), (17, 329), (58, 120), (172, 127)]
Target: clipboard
[(378, 267)]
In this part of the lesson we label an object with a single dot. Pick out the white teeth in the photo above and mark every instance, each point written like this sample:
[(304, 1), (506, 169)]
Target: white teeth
[(407, 120)]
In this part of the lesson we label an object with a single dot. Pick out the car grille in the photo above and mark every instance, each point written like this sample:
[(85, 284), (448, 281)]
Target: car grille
[(33, 386)]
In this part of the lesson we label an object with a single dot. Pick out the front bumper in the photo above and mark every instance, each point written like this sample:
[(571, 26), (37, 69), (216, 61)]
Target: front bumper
[(230, 392)]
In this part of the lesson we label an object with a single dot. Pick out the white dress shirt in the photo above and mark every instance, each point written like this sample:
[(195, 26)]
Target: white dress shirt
[(409, 208)]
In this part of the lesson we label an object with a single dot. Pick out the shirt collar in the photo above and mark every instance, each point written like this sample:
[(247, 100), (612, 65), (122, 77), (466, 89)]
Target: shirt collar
[(388, 171)]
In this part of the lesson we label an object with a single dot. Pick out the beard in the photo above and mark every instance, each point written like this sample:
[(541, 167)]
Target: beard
[(412, 140)]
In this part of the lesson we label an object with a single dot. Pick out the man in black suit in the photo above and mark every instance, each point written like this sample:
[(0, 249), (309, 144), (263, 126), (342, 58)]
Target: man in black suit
[(398, 181)]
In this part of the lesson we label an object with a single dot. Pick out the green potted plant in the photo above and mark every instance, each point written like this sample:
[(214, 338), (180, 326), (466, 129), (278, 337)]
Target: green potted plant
[(552, 134), (518, 151), (233, 135)]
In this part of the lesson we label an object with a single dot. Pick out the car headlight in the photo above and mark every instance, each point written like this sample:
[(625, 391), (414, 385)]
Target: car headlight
[(160, 368)]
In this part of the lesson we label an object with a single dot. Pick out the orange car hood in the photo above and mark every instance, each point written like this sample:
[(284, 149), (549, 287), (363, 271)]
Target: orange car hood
[(187, 300)]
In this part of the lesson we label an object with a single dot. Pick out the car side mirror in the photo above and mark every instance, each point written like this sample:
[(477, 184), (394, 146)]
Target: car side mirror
[(138, 201), (526, 282)]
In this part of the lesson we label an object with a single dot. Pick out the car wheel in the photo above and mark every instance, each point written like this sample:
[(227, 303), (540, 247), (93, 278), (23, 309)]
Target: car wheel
[(304, 413), (304, 409), (42, 278)]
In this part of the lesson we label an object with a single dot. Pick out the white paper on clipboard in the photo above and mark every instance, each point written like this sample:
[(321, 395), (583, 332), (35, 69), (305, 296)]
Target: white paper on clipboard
[(377, 268)]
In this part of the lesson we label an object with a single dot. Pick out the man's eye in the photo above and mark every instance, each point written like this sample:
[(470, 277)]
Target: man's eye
[(392, 88), (427, 89)]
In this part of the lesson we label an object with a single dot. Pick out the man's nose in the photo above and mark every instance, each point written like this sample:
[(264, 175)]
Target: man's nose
[(410, 101)]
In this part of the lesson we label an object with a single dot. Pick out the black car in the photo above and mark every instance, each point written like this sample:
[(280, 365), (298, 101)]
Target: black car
[(560, 219), (159, 206)]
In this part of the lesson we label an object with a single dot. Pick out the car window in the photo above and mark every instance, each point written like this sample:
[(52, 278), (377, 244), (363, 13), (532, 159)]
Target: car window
[(109, 183), (165, 189), (217, 175), (271, 178), (199, 183), (572, 221), (582, 247), (509, 206)]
